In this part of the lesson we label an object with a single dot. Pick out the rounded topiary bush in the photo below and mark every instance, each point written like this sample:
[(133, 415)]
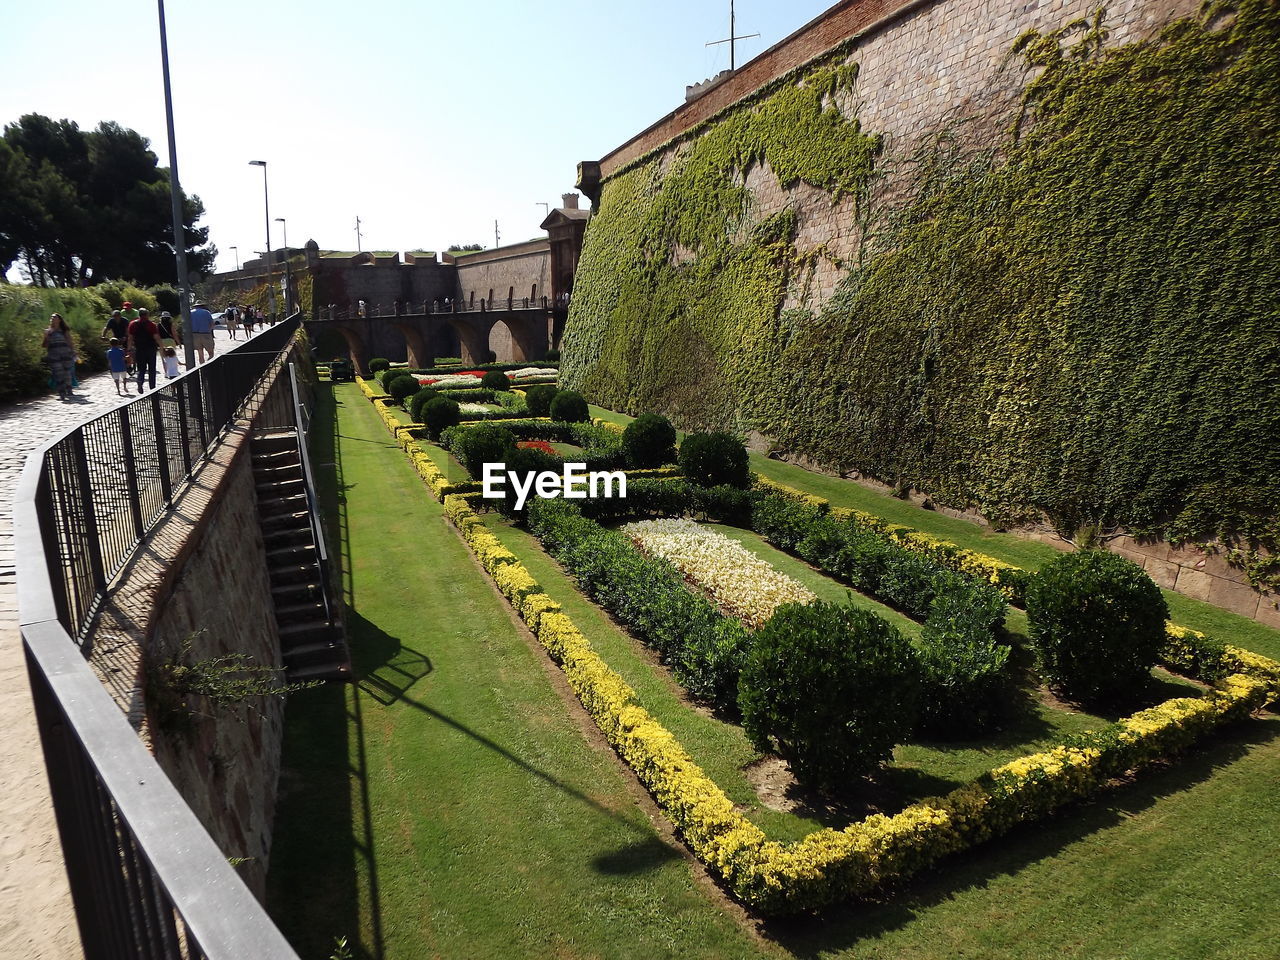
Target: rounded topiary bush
[(439, 414), (568, 406), (715, 459), (389, 374), (495, 380), (377, 365), (553, 356), (1097, 624), (420, 400), (537, 399), (403, 386), (483, 444), (649, 441), (833, 688)]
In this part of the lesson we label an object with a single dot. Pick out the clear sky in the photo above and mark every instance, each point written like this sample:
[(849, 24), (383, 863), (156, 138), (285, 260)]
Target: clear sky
[(428, 120)]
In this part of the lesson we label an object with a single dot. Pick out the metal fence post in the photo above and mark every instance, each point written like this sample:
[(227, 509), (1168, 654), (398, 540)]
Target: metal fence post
[(130, 474), (91, 544), (162, 449)]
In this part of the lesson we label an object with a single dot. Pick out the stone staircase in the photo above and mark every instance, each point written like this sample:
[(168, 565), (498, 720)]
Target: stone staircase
[(312, 640)]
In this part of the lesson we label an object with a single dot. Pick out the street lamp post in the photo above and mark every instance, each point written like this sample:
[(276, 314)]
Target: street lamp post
[(288, 287), (175, 195), (266, 209)]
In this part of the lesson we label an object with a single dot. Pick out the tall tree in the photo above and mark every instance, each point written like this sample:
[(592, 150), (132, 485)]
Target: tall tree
[(80, 207)]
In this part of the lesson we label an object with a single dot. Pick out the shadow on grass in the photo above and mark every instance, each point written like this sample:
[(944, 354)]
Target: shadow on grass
[(842, 927), (638, 857)]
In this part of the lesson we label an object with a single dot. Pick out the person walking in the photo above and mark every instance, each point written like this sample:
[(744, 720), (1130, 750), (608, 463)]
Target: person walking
[(202, 331), (116, 361), (144, 342), (248, 318), (231, 317), (60, 351), (170, 334), (117, 326)]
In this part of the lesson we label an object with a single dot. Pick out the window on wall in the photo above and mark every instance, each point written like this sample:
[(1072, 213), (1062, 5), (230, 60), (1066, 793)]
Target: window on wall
[(491, 294), (533, 293), (473, 298), (511, 294)]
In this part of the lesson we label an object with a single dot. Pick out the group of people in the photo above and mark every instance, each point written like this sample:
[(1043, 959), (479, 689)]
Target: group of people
[(246, 317), (135, 344)]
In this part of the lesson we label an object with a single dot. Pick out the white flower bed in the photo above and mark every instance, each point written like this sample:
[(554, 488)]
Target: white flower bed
[(734, 577), (474, 408), (526, 372), (452, 382)]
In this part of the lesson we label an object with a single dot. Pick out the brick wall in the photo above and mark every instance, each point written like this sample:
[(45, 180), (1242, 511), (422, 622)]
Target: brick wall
[(516, 268)]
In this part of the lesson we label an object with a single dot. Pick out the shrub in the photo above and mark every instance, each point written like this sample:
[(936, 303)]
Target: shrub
[(568, 406), (476, 446), (495, 380), (649, 441), (538, 399), (965, 669), (712, 459), (439, 414), (1097, 623), (552, 355), (403, 386), (834, 687), (386, 376), (420, 400), (378, 364)]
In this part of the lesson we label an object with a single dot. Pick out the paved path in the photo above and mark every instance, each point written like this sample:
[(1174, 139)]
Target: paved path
[(36, 918)]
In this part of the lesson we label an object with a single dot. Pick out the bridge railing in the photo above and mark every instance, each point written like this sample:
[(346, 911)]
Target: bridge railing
[(398, 308), (146, 878)]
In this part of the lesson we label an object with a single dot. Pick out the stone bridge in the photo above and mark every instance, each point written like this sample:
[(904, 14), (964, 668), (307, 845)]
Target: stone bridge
[(530, 330)]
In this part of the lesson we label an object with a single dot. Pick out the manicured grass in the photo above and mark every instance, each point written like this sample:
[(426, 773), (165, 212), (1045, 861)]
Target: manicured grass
[(449, 804), (1031, 554)]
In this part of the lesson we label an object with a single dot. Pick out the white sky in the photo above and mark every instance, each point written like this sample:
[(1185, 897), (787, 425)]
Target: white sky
[(428, 120)]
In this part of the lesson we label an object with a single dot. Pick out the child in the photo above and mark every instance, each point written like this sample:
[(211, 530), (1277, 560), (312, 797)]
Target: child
[(170, 362), (116, 361)]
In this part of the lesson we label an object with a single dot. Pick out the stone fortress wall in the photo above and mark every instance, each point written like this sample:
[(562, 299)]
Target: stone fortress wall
[(923, 66)]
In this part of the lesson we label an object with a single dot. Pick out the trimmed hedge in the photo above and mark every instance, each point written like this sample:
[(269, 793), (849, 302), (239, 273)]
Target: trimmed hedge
[(649, 441), (1097, 623), (538, 398), (569, 407), (378, 364), (715, 459), (439, 414), (834, 687)]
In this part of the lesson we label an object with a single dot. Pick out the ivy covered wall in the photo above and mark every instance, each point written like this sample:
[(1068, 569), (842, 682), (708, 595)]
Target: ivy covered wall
[(1078, 319)]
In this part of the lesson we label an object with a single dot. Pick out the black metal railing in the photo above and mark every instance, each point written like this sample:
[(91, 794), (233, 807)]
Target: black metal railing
[(146, 878), (108, 481)]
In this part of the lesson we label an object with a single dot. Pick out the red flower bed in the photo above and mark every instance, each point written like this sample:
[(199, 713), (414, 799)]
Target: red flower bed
[(537, 445)]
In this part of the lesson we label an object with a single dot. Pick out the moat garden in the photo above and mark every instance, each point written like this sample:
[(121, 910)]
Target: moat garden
[(749, 710)]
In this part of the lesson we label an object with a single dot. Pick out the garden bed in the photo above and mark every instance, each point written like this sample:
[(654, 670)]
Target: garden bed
[(827, 864)]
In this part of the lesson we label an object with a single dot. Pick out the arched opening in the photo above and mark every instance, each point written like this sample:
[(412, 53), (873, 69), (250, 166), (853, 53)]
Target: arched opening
[(511, 295), (472, 301), (502, 342), (533, 292)]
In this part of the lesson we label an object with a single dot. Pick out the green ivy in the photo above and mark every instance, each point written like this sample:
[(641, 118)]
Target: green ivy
[(1080, 322)]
